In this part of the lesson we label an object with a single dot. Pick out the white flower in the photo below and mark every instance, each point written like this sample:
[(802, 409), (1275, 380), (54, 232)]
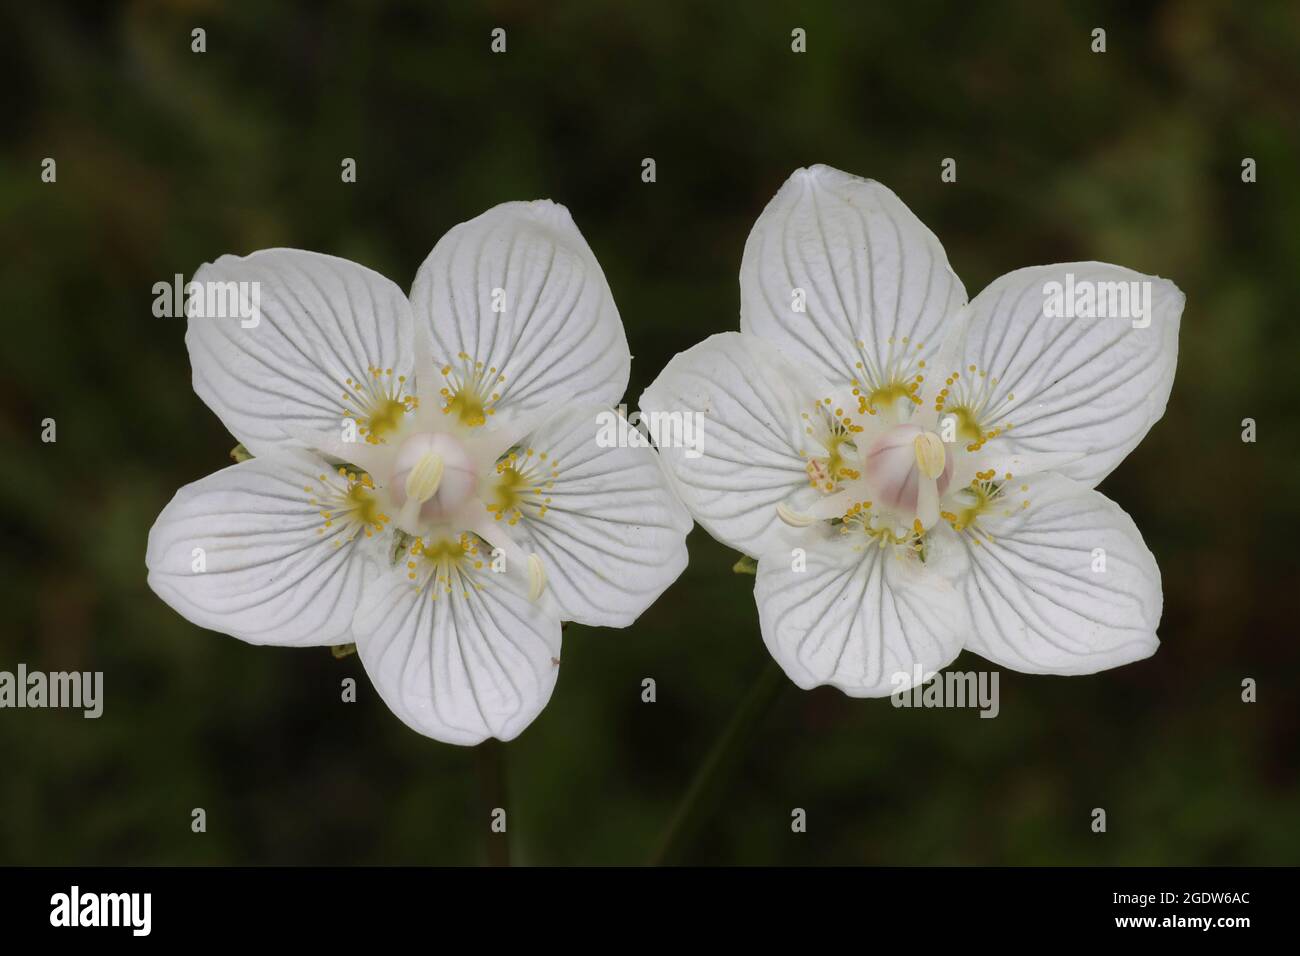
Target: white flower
[(934, 459), (475, 408)]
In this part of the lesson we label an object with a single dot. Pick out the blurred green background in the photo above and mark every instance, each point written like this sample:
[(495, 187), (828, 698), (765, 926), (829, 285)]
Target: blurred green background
[(167, 159)]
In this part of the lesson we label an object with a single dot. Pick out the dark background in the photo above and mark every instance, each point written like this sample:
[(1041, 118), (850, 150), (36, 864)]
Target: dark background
[(167, 159)]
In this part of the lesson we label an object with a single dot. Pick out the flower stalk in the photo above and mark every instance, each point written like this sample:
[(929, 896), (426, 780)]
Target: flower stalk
[(711, 779)]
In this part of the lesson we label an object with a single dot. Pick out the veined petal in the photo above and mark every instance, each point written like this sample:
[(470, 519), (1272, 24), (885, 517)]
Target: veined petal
[(864, 619), (459, 652), (519, 314), (1040, 381), (271, 551), (330, 340), (874, 281), (603, 518), (1063, 586), (750, 401)]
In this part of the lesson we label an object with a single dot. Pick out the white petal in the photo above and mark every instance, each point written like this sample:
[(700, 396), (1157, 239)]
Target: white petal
[(750, 400), (264, 574), (1037, 602), (869, 268), (1090, 386), (322, 320), (463, 667), (612, 536), (558, 336), (860, 618)]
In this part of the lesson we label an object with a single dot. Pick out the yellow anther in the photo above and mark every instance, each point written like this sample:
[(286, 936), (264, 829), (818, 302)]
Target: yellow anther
[(423, 480), (930, 454)]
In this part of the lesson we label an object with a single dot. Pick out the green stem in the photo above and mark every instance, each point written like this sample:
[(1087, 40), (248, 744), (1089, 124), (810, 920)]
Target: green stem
[(706, 786), (491, 758)]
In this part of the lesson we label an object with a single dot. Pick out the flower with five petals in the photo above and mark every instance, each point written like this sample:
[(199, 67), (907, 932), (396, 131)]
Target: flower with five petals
[(427, 481), (914, 472)]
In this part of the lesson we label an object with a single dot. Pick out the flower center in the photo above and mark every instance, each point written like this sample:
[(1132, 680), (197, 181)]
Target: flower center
[(436, 471), (897, 461)]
